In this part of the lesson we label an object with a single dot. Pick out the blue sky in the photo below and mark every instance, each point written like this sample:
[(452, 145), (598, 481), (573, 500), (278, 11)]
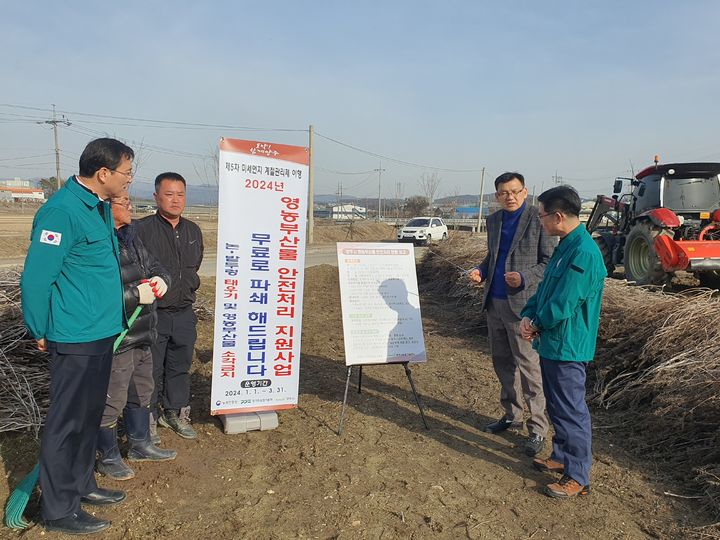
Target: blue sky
[(581, 88)]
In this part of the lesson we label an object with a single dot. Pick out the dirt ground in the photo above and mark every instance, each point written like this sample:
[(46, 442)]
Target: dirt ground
[(387, 476)]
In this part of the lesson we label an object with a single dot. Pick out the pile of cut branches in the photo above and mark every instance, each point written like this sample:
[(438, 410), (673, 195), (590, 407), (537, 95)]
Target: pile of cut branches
[(24, 371), (657, 368)]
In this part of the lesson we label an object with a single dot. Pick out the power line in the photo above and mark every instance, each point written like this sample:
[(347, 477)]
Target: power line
[(28, 165), (159, 149), (155, 123), (175, 123), (394, 160), (343, 172), (364, 182), (26, 157)]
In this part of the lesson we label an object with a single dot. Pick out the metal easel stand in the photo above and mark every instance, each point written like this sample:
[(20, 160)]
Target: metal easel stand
[(347, 386)]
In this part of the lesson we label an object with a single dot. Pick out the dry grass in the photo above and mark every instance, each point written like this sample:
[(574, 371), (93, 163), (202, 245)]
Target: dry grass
[(329, 232)]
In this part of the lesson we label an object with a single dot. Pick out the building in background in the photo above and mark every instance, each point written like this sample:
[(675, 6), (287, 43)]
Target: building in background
[(346, 212), (22, 194), (16, 183)]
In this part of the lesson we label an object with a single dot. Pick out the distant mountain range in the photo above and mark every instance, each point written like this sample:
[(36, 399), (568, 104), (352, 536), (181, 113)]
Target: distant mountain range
[(208, 196), (196, 195), (460, 200)]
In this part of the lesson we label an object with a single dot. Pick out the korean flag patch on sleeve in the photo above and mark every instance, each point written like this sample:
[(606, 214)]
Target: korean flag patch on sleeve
[(50, 237)]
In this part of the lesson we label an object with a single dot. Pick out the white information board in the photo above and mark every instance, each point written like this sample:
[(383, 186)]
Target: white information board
[(380, 303), (262, 215)]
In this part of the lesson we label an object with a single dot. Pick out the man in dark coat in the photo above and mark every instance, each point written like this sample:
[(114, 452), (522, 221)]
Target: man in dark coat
[(131, 379)]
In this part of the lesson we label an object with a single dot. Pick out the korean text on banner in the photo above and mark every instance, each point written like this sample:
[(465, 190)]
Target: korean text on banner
[(262, 209), (380, 303)]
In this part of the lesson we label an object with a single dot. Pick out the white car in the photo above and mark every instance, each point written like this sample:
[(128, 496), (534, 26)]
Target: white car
[(423, 230)]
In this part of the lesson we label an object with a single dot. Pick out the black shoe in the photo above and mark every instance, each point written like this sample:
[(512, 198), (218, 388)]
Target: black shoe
[(534, 445), (78, 523), (116, 468), (145, 450), (109, 461), (501, 425), (102, 497), (137, 421), (179, 425)]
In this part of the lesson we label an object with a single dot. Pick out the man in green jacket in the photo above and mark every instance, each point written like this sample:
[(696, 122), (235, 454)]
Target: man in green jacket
[(562, 319), (72, 301)]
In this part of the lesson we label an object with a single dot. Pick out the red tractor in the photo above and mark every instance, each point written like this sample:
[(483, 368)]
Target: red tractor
[(669, 221)]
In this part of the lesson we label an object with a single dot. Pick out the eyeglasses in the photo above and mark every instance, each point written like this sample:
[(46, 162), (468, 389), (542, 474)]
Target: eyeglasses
[(128, 175), (511, 193), (541, 216)]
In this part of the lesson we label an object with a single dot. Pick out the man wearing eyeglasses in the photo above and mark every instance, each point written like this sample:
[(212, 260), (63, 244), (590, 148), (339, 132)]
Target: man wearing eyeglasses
[(518, 250), (562, 320), (72, 301)]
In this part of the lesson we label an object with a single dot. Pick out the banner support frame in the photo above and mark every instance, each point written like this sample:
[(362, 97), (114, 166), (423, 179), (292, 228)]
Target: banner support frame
[(408, 373)]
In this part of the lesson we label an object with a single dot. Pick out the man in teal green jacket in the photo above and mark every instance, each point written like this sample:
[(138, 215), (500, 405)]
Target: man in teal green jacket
[(72, 302), (562, 319)]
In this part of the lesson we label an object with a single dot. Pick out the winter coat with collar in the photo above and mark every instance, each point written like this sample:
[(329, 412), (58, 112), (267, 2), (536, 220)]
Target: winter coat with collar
[(136, 264), (180, 250)]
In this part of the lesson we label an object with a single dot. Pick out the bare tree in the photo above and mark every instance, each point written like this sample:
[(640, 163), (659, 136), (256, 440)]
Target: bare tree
[(141, 152), (416, 205), (208, 171), (429, 184)]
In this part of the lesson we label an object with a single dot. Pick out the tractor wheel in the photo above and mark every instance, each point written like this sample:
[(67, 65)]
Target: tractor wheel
[(711, 280), (606, 255), (642, 264)]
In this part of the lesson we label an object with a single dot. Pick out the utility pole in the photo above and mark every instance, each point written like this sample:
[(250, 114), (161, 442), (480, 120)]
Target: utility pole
[(311, 189), (379, 171), (557, 180), (399, 196), (339, 193), (54, 123), (480, 202)]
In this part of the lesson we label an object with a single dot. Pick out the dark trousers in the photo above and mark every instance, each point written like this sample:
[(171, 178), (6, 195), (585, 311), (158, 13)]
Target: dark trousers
[(79, 374), (172, 357), (564, 385), (131, 383)]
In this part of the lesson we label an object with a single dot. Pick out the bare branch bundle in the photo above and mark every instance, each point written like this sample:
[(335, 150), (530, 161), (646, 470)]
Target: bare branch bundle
[(657, 364), (24, 371), (443, 272), (444, 267)]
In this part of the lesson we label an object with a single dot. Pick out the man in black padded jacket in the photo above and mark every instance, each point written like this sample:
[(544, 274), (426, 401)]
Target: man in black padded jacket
[(131, 379)]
